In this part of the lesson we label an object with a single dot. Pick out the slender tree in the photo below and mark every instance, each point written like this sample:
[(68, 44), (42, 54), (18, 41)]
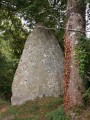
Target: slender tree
[(75, 25)]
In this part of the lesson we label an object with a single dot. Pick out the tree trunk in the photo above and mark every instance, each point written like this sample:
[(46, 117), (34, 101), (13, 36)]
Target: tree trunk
[(72, 81)]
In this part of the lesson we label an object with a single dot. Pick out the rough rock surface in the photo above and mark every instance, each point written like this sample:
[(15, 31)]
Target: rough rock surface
[(40, 70)]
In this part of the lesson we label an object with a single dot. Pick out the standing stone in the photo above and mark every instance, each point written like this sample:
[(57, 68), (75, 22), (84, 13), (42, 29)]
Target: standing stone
[(40, 70)]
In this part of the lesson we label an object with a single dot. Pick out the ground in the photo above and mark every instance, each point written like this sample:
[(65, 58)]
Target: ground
[(41, 109), (31, 110)]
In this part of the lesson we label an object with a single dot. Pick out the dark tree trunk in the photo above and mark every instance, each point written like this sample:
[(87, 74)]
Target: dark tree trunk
[(72, 81)]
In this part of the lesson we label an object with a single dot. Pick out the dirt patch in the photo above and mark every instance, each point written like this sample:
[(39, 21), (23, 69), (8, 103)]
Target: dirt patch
[(3, 109)]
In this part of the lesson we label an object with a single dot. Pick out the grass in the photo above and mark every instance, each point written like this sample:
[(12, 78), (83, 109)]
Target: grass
[(57, 114), (41, 109), (31, 110)]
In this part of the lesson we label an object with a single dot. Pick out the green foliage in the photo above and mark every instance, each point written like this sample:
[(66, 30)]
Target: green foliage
[(48, 12), (57, 115), (80, 3), (87, 1), (11, 27), (83, 52), (86, 96), (84, 65), (8, 65), (12, 39)]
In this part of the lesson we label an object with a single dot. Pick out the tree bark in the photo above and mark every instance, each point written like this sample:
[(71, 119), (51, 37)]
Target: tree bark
[(73, 87)]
